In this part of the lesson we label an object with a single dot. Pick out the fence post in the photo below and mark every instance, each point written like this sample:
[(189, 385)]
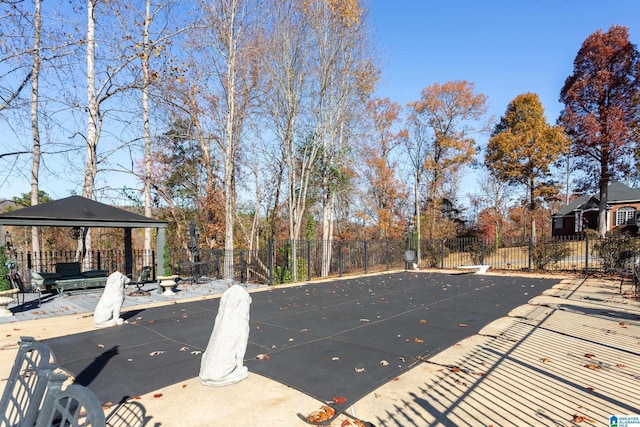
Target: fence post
[(530, 250), (586, 254), (340, 259), (366, 263), (153, 264), (482, 253), (271, 262), (388, 257), (442, 255), (308, 260)]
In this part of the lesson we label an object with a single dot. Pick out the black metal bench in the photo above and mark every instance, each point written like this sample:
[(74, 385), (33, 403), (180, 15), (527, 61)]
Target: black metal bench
[(34, 393)]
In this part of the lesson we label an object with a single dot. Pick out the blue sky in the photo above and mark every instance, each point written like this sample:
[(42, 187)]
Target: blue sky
[(504, 47)]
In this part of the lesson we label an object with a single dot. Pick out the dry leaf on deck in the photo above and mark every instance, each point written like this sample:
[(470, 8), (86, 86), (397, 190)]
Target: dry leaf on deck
[(325, 413)]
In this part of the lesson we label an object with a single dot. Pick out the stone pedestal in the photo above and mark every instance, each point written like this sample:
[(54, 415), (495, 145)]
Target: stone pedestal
[(167, 283), (6, 298)]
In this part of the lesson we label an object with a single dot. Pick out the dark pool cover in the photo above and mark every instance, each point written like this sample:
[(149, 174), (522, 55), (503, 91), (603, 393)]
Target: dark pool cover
[(342, 338)]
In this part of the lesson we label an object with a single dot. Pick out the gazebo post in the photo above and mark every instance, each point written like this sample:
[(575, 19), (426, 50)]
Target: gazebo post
[(160, 243), (128, 253)]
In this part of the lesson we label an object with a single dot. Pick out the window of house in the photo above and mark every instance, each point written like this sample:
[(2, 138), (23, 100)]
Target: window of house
[(626, 216), (558, 223)]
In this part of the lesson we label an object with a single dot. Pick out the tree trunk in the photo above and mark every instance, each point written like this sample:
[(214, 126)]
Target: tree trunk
[(602, 207), (146, 81), (93, 130), (229, 161), (35, 130)]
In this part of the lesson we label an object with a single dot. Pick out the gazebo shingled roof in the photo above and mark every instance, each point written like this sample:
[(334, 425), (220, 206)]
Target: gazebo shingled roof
[(77, 211)]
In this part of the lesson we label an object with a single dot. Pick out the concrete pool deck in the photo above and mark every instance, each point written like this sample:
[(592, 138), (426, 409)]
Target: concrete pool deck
[(569, 356)]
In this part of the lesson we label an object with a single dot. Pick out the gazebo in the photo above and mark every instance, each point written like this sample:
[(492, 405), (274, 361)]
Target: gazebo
[(77, 211)]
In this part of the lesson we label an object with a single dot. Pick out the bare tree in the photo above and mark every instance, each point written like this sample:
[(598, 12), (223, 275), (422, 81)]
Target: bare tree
[(232, 39), (35, 129)]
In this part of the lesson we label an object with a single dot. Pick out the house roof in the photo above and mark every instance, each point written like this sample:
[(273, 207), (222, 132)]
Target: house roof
[(77, 211), (618, 193)]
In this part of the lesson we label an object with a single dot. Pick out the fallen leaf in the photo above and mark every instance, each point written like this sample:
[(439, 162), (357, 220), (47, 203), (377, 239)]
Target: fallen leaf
[(157, 395), (593, 366), (396, 379), (455, 369), (335, 359), (590, 388), (418, 340), (156, 353), (184, 386), (423, 321), (325, 413), (358, 369), (364, 320), (589, 355), (135, 397), (545, 360), (340, 400), (462, 325), (262, 357), (100, 346), (107, 405), (129, 360), (580, 418), (621, 365), (384, 363), (196, 352), (623, 324), (184, 348), (345, 423)]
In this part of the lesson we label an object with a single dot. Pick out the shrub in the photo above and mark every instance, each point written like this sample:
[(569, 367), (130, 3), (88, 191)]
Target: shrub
[(615, 249), (4, 270), (431, 253), (544, 253), (479, 250)]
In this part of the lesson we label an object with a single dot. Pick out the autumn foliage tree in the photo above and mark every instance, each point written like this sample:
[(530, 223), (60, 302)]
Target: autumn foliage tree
[(384, 190), (444, 120), (601, 107), (523, 147)]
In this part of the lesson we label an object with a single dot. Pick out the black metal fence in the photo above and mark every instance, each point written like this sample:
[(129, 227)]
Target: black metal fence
[(274, 263)]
